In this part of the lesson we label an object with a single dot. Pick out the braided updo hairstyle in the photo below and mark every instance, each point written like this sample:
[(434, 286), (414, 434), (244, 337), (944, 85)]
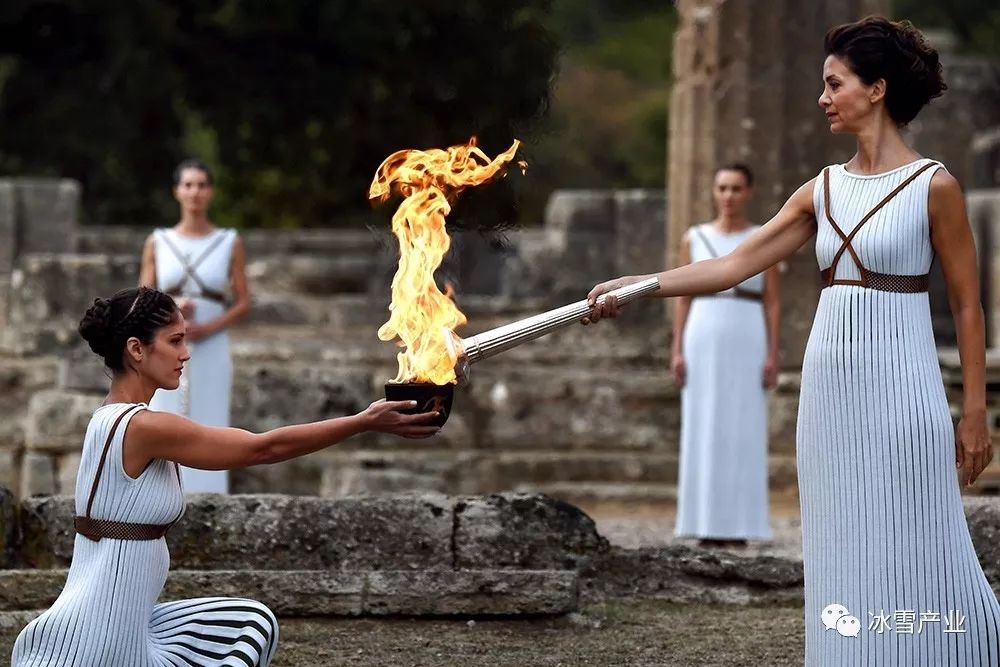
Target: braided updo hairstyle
[(136, 312), (877, 48)]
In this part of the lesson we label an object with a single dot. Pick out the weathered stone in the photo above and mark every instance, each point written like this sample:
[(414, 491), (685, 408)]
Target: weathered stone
[(8, 528), (278, 532), (51, 292), (340, 593), (984, 218), (511, 530), (48, 214), (471, 592), (312, 274), (57, 420), (285, 592), (581, 228), (274, 532), (10, 469), (683, 574), (986, 159), (82, 370), (273, 395), (8, 227), (983, 515), (68, 465), (38, 475)]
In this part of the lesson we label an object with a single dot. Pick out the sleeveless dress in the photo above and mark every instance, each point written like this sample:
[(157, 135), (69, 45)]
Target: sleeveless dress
[(722, 478), (206, 383), (107, 616), (891, 574)]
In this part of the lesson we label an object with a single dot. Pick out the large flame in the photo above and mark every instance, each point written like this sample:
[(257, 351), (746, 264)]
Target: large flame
[(422, 316)]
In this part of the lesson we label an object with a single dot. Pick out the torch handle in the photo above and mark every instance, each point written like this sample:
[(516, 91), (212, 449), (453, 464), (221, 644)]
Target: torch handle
[(488, 343)]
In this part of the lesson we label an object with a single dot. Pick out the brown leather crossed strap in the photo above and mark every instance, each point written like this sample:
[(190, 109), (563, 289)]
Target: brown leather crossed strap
[(883, 282), (97, 529), (191, 270), (738, 292)]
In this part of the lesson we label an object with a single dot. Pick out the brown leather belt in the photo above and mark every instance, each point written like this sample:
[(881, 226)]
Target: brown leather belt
[(883, 282), (97, 529)]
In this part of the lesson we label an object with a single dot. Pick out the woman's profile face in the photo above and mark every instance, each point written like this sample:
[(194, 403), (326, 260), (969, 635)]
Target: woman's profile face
[(731, 192), (193, 190), (846, 100), (163, 359)]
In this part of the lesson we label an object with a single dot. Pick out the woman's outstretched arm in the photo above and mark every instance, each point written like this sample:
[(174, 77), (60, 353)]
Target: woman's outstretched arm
[(783, 234), (163, 435)]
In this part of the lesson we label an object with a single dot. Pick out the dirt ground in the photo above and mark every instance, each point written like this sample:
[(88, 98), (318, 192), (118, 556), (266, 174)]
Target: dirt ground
[(619, 634), (631, 634)]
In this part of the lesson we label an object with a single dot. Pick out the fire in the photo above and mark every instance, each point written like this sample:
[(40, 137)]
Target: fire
[(421, 315)]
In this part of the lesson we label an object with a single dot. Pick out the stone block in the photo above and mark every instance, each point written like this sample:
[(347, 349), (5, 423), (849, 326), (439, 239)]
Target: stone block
[(511, 530), (686, 575), (67, 468), (38, 475), (283, 532), (276, 394), (8, 227), (82, 370), (983, 515), (8, 528), (51, 292), (48, 214), (285, 592), (471, 593), (10, 469), (274, 532), (57, 420)]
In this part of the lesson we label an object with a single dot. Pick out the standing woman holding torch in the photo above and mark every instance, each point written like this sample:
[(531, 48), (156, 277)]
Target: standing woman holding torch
[(883, 523), (725, 354), (203, 267)]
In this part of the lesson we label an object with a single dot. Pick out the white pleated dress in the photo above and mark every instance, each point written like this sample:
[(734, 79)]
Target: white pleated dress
[(722, 477), (884, 532), (107, 616), (207, 381)]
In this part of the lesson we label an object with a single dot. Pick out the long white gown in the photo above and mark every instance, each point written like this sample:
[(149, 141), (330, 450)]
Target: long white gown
[(891, 574), (722, 481), (107, 614), (206, 383)]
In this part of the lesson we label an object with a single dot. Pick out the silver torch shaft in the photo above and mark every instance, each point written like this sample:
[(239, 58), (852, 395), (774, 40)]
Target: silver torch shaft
[(492, 342)]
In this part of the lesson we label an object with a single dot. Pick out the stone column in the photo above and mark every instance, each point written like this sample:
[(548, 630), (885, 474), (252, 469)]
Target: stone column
[(746, 84)]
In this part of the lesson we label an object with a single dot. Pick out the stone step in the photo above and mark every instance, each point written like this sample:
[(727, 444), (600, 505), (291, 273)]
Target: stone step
[(596, 497), (342, 593)]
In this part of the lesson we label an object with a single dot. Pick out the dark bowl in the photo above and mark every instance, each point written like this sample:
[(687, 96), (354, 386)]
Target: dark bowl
[(429, 398)]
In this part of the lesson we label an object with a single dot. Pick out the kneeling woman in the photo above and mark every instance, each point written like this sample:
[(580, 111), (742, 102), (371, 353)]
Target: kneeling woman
[(128, 493)]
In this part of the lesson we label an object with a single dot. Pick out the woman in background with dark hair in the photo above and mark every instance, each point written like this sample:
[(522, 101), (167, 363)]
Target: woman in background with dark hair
[(725, 354), (129, 494), (891, 574), (204, 268)]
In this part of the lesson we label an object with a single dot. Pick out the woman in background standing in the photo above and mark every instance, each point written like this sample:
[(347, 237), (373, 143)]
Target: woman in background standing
[(204, 268), (725, 354)]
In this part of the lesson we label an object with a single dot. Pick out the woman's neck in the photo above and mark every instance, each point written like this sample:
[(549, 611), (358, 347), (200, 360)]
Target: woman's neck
[(129, 387), (728, 224), (194, 223), (880, 148)]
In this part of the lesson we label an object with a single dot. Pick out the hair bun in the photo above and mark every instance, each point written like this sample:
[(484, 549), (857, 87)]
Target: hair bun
[(919, 58), (95, 327)]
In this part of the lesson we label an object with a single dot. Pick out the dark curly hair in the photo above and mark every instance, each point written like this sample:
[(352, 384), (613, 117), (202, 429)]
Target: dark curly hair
[(877, 48), (135, 312)]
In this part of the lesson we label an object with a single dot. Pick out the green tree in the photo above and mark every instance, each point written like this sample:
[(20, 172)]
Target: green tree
[(296, 101)]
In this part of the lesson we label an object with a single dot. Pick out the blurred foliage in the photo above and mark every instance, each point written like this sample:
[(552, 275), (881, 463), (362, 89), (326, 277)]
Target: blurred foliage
[(294, 102), (608, 121), (975, 23)]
